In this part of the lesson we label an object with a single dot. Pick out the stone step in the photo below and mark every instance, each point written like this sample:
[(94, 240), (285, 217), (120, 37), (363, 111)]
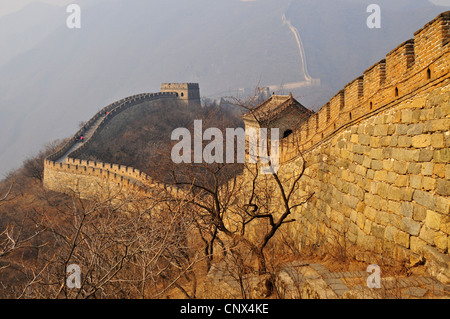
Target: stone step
[(308, 282)]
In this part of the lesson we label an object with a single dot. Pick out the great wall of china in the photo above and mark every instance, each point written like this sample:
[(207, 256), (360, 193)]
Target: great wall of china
[(377, 157)]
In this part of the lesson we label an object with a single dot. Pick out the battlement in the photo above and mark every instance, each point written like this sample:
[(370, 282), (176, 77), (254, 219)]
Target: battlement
[(63, 171), (416, 64), (177, 86)]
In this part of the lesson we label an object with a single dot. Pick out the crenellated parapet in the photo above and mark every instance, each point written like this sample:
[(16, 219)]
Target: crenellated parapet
[(65, 173), (416, 65)]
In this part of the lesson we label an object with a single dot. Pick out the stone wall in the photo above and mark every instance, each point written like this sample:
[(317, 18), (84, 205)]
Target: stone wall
[(88, 179), (377, 157), (417, 64), (378, 161), (383, 184)]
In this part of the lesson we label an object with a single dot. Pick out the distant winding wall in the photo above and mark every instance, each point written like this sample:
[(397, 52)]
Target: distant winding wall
[(64, 173)]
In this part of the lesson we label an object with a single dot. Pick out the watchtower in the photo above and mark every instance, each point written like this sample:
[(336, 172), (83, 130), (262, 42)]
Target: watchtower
[(187, 92)]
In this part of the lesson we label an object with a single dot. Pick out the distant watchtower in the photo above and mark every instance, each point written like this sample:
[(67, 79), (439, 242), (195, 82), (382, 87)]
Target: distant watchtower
[(188, 92)]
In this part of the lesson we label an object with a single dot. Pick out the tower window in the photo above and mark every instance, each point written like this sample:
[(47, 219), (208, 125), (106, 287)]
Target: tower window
[(287, 133), (182, 94), (396, 91), (428, 74)]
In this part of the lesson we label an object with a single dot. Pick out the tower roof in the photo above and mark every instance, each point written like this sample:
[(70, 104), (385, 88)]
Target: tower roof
[(273, 108)]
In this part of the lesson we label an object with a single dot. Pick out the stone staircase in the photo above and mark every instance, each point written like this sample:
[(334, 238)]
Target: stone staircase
[(315, 281), (302, 280)]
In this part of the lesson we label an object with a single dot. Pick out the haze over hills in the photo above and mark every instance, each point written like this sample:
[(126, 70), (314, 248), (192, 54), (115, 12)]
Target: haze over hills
[(51, 77)]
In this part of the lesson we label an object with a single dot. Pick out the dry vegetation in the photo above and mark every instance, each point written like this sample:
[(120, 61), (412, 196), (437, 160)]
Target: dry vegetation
[(153, 247)]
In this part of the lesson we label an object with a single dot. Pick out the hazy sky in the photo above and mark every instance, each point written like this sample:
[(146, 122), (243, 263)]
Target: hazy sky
[(9, 6)]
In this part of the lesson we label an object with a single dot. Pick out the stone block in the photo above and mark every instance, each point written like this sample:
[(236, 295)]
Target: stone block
[(402, 238), (380, 130), (433, 219), (427, 114), (385, 141), (418, 102), (427, 234), (439, 170), (394, 206), (358, 149), (427, 169), (377, 165), (416, 245), (440, 240), (442, 205), (424, 198), (361, 170), (375, 141), (415, 129), (407, 209), (438, 140), (380, 176), (377, 230), (401, 129), (393, 139), (360, 220), (408, 155), (407, 116), (382, 189), (400, 167), (364, 139), (425, 155), (414, 168), (370, 213), (401, 193), (404, 141), (367, 227), (391, 177), (437, 125), (410, 226), (415, 181), (419, 212), (428, 183), (395, 220), (420, 141), (390, 232), (376, 153), (442, 155), (388, 164), (443, 187), (387, 152)]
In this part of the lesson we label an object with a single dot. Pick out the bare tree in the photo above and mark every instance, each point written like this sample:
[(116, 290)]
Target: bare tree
[(127, 246), (226, 205)]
